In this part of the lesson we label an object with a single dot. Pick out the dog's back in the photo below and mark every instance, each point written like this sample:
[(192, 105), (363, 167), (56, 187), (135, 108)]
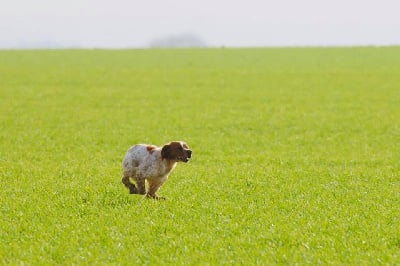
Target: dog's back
[(135, 156)]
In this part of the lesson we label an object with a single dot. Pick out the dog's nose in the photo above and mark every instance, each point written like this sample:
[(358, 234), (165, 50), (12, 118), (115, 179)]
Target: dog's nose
[(189, 153)]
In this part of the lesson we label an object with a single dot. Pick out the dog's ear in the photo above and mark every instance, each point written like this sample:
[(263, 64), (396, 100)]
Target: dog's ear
[(166, 152)]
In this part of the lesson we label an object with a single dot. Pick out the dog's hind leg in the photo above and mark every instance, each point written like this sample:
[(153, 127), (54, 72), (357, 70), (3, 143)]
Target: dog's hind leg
[(141, 186), (125, 180)]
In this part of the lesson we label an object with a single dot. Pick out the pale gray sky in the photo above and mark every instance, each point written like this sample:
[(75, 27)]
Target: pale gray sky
[(134, 23)]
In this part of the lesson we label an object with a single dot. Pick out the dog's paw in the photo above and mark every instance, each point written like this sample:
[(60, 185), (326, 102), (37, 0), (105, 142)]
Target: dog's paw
[(156, 197), (133, 190)]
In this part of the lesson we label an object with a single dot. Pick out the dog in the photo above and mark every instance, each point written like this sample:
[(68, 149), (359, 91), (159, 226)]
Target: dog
[(148, 162)]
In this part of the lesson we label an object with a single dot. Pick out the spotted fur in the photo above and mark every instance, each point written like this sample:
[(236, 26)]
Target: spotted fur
[(148, 162)]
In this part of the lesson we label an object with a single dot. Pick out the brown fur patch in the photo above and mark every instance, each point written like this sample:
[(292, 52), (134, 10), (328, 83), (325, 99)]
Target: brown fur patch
[(151, 148)]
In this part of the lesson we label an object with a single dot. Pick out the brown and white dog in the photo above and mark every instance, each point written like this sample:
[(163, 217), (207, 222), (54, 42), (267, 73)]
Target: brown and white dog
[(154, 164)]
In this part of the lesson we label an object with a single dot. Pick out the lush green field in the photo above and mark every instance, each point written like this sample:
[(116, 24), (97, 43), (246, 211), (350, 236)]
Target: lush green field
[(296, 156)]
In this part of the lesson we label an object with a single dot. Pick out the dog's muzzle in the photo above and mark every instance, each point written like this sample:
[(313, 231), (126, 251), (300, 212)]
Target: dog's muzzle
[(188, 156)]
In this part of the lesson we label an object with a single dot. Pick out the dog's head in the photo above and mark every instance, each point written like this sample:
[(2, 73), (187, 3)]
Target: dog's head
[(176, 151)]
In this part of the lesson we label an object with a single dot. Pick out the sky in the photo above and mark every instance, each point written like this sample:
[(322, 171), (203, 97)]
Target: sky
[(229, 23)]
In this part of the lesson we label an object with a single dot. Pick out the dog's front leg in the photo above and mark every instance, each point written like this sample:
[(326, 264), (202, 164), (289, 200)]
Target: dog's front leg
[(154, 186)]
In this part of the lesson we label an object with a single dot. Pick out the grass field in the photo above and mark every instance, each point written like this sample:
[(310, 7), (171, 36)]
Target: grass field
[(296, 156)]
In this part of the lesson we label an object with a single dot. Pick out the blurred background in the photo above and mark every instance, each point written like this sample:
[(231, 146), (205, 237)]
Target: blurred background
[(189, 23)]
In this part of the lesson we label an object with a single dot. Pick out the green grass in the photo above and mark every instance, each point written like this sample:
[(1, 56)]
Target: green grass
[(296, 156)]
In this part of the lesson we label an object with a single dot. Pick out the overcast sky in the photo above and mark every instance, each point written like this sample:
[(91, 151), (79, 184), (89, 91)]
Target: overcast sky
[(134, 23)]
